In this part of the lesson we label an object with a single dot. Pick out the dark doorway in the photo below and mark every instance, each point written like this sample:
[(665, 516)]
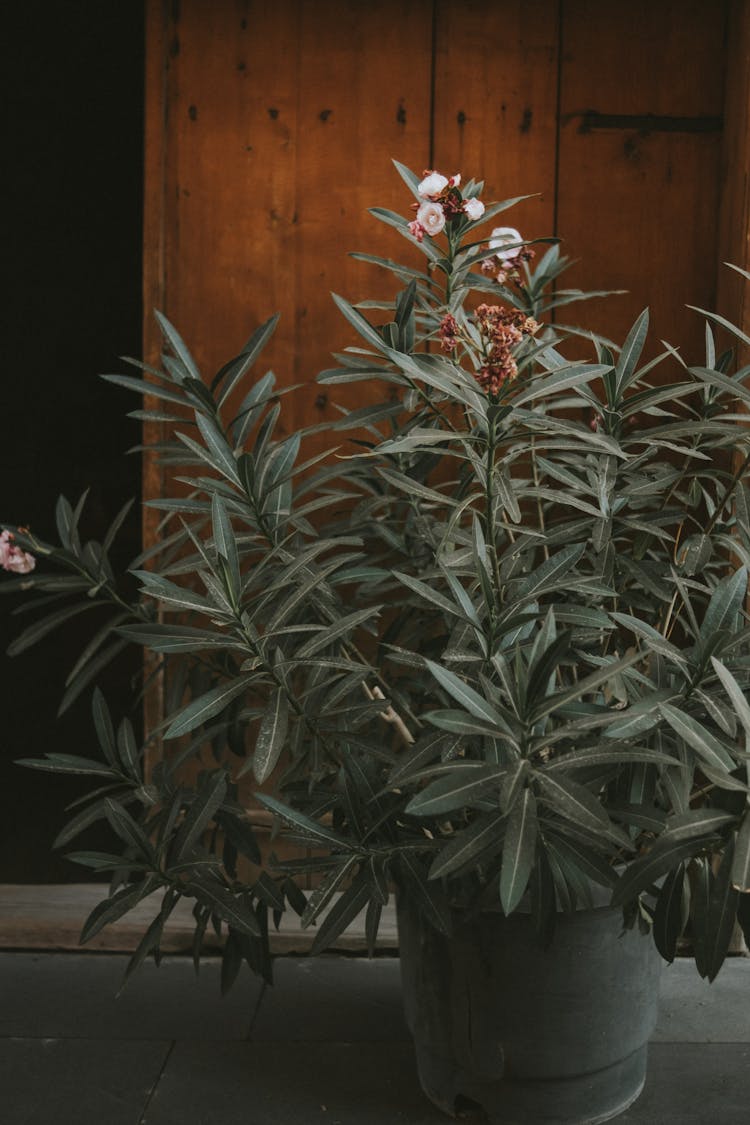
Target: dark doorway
[(73, 144)]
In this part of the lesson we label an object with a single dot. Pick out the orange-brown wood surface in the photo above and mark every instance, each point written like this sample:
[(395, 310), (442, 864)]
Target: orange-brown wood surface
[(638, 200), (271, 128), (734, 224)]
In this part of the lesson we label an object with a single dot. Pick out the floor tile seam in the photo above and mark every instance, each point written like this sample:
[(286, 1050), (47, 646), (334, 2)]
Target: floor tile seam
[(157, 1081), (699, 1042), (102, 1039)]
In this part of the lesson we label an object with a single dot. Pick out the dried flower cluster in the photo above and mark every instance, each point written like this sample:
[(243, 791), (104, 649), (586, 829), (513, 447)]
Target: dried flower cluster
[(500, 331)]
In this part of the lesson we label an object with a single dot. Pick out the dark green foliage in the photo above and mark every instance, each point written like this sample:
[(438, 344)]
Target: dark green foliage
[(497, 653)]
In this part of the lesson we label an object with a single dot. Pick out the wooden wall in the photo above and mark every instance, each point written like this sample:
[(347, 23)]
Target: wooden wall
[(271, 127)]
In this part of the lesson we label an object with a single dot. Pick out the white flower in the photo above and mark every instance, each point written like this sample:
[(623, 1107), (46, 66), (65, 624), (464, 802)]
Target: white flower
[(432, 185), (505, 236), (455, 180), (474, 209), (432, 217)]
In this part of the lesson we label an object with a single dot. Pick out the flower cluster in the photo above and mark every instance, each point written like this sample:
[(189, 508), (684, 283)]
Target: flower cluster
[(12, 557), (448, 333), (442, 202), (500, 331), (506, 261)]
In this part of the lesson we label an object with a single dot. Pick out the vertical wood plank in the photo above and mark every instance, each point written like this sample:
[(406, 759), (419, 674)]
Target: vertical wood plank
[(637, 203), (496, 76), (154, 219), (734, 220), (364, 99)]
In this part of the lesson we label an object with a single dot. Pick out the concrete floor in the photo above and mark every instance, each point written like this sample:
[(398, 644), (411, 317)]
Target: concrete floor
[(326, 1046)]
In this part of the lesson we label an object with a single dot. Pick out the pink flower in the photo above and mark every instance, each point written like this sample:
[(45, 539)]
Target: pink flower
[(417, 230), (432, 185), (431, 218), (12, 558), (474, 209), (504, 237)]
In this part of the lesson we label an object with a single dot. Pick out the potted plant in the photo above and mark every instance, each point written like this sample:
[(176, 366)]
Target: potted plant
[(492, 654)]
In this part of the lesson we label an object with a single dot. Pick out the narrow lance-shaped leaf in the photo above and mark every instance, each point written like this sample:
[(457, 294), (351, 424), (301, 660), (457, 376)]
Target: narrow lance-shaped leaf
[(237, 370), (484, 835), (668, 914), (271, 735), (206, 706), (306, 827), (469, 699), (430, 898), (205, 804), (326, 889), (518, 851), (741, 860), (225, 542), (345, 911), (463, 786), (722, 912), (698, 737)]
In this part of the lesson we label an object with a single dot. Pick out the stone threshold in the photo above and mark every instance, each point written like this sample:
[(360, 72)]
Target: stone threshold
[(50, 917)]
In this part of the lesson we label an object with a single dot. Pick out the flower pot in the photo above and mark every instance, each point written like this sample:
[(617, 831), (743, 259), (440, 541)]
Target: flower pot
[(532, 1035)]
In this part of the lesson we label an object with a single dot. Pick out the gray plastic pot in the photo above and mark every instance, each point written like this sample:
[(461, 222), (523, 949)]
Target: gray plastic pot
[(534, 1036)]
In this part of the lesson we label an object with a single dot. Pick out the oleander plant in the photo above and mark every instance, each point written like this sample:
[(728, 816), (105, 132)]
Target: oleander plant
[(491, 652)]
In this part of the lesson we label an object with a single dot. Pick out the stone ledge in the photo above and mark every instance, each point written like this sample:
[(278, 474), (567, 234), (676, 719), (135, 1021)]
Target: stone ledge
[(51, 917)]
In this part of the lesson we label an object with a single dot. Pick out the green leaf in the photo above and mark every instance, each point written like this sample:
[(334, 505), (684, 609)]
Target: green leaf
[(105, 730), (327, 888), (706, 745), (115, 906), (235, 371), (129, 831), (666, 853), (225, 542), (351, 903), (518, 851), (468, 698), (271, 735), (741, 861), (426, 593), (67, 763), (735, 693), (178, 346), (483, 836), (627, 361), (563, 379), (308, 828), (572, 801), (203, 708), (332, 633), (40, 628), (462, 787), (429, 898), (177, 638), (363, 327), (87, 674), (726, 602), (551, 571), (211, 893), (205, 804), (220, 452), (668, 916), (722, 912)]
